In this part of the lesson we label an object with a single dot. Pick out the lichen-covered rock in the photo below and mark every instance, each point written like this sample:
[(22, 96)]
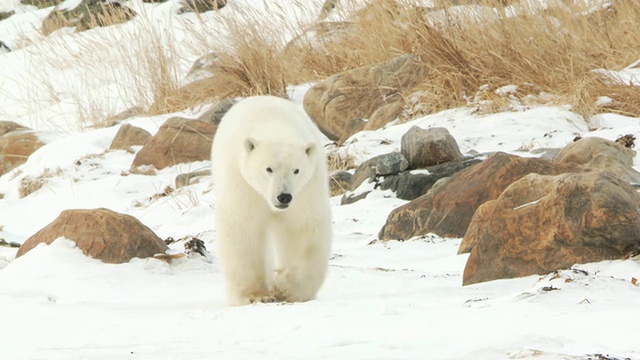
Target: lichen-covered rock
[(358, 93), (544, 223), (178, 140), (447, 211), (601, 154), (100, 233)]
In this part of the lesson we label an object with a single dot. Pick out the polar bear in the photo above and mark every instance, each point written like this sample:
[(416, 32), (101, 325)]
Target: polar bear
[(273, 219)]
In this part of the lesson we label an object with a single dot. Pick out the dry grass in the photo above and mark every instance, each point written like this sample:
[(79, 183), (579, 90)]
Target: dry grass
[(550, 54)]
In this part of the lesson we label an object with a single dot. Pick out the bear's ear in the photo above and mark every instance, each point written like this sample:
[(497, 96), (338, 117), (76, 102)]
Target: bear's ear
[(311, 148), (249, 144)]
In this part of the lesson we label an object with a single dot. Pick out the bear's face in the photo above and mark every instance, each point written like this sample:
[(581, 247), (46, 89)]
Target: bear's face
[(278, 171)]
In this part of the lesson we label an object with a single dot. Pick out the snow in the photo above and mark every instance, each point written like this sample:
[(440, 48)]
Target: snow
[(382, 300)]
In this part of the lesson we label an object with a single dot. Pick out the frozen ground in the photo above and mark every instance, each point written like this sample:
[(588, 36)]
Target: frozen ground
[(393, 300)]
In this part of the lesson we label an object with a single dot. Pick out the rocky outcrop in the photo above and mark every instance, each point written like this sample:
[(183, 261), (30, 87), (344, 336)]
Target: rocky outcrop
[(447, 210), (128, 136), (358, 93), (542, 223), (178, 140), (428, 147), (100, 233)]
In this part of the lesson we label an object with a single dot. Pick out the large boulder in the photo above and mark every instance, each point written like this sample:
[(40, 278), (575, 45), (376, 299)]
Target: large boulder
[(16, 147), (178, 140), (428, 147), (544, 223), (597, 153), (358, 93), (100, 233), (447, 210)]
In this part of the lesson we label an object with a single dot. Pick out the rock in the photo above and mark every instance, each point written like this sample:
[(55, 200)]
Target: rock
[(100, 233), (129, 113), (3, 47), (9, 126), (350, 198), (543, 223), (387, 164), (200, 6), (318, 43), (87, 14), (178, 140), (16, 147), (385, 114), (447, 211), (339, 182), (358, 93), (597, 153), (216, 112), (129, 135), (409, 185), (191, 178), (427, 147)]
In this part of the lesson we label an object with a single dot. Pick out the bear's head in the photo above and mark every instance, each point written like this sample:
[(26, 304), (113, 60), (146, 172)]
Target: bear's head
[(278, 171)]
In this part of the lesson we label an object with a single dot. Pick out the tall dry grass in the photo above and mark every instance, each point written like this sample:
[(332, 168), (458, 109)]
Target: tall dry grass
[(549, 52), (472, 50)]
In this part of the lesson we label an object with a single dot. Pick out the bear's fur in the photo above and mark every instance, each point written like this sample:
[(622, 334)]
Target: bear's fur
[(273, 219)]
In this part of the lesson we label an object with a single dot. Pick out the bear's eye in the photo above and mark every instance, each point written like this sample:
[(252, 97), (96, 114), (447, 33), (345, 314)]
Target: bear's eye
[(269, 170), (296, 172)]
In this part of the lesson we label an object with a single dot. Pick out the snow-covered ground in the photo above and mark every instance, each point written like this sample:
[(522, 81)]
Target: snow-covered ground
[(393, 300)]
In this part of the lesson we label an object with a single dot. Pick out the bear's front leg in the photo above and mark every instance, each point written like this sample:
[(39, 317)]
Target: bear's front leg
[(242, 256), (302, 265)]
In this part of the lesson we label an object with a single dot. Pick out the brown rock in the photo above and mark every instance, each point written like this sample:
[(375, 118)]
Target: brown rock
[(544, 223), (447, 210), (129, 135), (178, 140), (9, 126), (357, 93), (16, 147), (428, 147), (601, 154), (384, 115), (86, 15), (100, 233)]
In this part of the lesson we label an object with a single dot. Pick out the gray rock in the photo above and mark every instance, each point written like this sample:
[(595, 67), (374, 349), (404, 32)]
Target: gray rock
[(409, 185), (339, 182), (216, 112), (191, 178), (387, 164)]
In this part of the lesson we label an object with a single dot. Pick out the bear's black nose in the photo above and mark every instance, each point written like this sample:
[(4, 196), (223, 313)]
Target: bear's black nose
[(285, 198)]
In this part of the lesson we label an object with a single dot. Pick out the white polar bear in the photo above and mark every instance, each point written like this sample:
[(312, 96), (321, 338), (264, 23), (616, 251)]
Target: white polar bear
[(273, 218)]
